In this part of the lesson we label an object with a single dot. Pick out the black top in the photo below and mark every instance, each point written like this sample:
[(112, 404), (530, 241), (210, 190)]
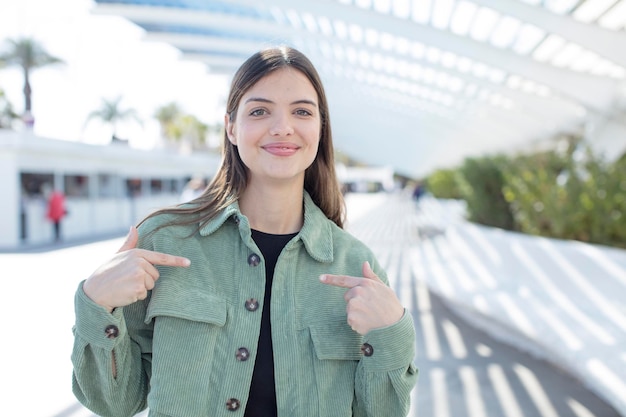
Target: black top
[(262, 401)]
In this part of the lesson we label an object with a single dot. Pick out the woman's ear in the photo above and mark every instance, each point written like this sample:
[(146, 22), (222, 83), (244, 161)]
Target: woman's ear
[(229, 126)]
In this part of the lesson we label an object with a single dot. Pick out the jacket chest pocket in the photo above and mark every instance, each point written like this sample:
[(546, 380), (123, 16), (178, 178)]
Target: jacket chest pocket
[(187, 325), (336, 341), (192, 320), (337, 350)]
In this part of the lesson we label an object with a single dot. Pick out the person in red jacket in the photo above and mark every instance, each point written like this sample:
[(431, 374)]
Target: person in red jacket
[(56, 211)]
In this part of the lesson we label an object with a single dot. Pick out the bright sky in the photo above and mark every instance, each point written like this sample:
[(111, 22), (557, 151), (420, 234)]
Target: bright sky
[(105, 57)]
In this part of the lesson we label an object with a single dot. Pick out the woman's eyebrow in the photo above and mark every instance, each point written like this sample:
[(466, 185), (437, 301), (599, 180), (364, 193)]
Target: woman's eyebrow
[(304, 101), (264, 100)]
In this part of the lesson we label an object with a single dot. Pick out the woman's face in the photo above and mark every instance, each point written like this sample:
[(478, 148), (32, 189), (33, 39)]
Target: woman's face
[(277, 127)]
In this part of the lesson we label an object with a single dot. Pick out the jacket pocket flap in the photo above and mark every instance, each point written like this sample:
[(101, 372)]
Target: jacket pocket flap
[(174, 300), (336, 341)]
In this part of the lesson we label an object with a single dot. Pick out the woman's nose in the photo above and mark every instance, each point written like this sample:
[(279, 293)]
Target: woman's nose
[(281, 126)]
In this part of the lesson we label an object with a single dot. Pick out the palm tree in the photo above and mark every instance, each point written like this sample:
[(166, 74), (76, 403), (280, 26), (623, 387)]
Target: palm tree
[(111, 113), (167, 116), (27, 54), (190, 128), (185, 130)]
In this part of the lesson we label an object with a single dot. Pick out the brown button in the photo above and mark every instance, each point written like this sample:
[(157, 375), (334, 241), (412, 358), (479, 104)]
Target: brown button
[(111, 331), (254, 260), (367, 349), (252, 304), (232, 404), (242, 354)]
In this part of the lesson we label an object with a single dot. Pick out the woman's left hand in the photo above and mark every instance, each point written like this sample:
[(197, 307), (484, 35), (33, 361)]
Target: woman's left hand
[(370, 303)]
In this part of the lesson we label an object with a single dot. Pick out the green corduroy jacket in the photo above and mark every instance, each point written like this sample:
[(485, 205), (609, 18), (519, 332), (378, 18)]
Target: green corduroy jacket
[(176, 351)]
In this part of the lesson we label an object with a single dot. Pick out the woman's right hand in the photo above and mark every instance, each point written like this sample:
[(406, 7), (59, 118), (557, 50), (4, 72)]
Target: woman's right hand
[(129, 275)]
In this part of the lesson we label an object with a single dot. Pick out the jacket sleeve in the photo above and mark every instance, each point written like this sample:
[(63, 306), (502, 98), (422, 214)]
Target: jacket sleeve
[(98, 337), (386, 374)]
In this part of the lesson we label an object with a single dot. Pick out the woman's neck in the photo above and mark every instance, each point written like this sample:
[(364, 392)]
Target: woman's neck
[(275, 210)]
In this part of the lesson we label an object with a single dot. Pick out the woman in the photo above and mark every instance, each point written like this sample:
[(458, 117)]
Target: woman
[(55, 210), (251, 299)]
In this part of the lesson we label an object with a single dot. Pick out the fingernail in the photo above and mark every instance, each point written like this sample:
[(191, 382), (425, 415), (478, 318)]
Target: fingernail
[(323, 278), (186, 262)]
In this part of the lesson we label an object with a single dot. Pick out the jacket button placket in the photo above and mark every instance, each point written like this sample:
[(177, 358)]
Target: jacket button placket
[(242, 353)]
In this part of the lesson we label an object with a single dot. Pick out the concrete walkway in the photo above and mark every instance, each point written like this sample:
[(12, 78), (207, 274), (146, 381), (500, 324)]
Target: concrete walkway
[(561, 301)]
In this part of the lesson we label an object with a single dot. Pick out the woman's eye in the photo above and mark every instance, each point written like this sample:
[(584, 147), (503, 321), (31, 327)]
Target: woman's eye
[(303, 112), (257, 112)]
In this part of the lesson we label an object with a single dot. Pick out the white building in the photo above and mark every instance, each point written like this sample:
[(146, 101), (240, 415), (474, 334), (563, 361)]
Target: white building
[(107, 188), (366, 179)]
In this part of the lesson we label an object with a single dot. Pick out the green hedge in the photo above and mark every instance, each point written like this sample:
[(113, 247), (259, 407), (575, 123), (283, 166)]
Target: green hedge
[(568, 194), (444, 183), (574, 195), (481, 183)]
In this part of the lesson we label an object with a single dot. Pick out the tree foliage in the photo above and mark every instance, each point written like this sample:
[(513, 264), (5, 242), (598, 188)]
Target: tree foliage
[(110, 112), (28, 54), (180, 127), (568, 193)]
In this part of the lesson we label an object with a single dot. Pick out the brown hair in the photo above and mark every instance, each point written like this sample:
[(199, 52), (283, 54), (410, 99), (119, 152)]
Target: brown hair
[(231, 179)]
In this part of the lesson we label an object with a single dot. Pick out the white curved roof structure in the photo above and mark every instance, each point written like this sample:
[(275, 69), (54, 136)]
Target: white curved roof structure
[(421, 84)]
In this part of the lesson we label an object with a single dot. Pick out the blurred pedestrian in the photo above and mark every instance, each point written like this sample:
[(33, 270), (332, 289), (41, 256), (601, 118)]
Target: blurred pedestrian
[(56, 209), (193, 189), (418, 191)]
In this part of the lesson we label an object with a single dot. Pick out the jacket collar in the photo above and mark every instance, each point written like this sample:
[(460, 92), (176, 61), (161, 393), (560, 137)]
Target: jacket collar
[(316, 233)]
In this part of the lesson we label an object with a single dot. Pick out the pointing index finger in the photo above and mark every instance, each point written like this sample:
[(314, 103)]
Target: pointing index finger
[(159, 258), (344, 281)]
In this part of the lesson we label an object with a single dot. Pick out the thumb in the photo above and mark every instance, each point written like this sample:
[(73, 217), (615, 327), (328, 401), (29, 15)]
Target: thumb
[(131, 240), (368, 272)]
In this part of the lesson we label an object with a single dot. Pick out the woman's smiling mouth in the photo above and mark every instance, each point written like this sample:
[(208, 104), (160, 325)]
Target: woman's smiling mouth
[(281, 149)]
